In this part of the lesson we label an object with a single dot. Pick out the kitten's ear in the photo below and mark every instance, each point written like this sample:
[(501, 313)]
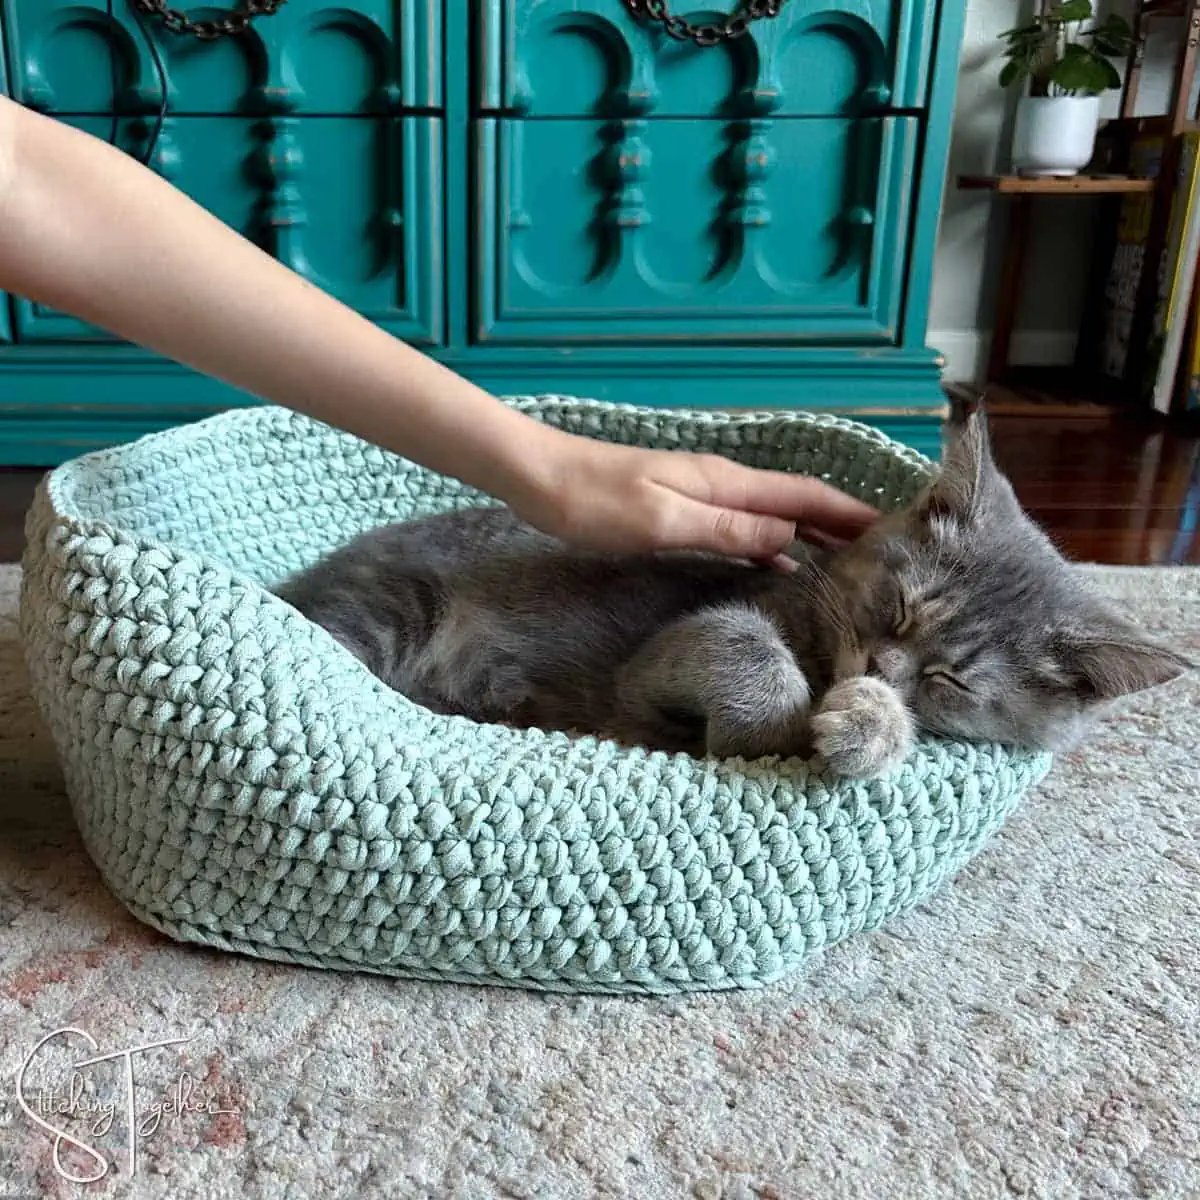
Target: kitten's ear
[(963, 482), (1113, 663)]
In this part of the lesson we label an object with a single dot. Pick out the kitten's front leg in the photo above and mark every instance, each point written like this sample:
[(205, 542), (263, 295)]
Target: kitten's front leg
[(862, 728), (722, 682)]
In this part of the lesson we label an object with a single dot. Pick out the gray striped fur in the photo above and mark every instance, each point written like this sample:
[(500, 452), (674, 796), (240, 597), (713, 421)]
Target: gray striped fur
[(956, 616)]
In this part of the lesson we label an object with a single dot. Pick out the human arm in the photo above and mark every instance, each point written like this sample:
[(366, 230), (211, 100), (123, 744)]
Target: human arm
[(86, 230)]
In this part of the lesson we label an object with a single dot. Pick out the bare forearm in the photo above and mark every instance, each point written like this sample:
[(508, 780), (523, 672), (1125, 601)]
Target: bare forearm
[(86, 230)]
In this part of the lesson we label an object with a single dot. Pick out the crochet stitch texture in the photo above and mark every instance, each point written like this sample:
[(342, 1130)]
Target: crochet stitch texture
[(241, 781)]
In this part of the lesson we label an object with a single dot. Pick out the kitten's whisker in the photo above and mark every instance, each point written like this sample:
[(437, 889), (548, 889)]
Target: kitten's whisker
[(829, 598)]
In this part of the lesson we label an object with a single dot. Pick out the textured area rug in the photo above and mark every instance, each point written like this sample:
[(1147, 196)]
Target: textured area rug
[(1034, 1030)]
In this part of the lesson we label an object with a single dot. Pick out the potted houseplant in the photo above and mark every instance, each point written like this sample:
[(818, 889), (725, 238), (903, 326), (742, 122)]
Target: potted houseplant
[(1064, 55)]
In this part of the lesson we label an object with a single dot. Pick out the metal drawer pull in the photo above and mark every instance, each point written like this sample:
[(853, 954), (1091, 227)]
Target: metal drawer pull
[(229, 24), (709, 33)]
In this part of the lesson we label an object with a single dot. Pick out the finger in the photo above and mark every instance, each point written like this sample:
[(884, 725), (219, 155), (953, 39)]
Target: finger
[(818, 537), (777, 562), (691, 525), (798, 498)]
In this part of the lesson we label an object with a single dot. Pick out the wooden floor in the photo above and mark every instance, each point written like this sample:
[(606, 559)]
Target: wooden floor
[(16, 490), (1108, 488)]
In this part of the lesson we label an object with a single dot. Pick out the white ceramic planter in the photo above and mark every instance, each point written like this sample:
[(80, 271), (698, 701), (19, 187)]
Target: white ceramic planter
[(1055, 135)]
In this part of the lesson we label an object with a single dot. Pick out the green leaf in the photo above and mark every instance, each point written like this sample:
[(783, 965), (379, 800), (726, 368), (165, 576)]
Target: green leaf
[(1110, 49), (1080, 70), (1032, 53), (1012, 72), (1032, 30), (1112, 38), (1112, 75), (1032, 37), (1116, 25), (1069, 11)]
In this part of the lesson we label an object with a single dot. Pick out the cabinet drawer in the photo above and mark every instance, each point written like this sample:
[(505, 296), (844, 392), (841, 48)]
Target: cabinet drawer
[(353, 205), (743, 232), (313, 56), (816, 58)]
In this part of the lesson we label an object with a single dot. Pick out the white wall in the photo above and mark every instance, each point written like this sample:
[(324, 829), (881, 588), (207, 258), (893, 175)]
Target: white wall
[(966, 269)]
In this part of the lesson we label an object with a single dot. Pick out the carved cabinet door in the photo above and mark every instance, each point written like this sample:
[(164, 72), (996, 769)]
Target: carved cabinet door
[(634, 189), (642, 230), (317, 135), (341, 201)]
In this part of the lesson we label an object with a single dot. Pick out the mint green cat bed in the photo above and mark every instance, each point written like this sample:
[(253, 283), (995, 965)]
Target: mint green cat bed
[(243, 782)]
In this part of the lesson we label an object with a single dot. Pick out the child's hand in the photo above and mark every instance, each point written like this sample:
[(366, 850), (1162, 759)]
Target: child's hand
[(628, 500)]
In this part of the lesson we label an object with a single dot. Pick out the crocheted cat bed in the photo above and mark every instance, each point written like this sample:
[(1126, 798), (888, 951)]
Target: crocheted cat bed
[(243, 782)]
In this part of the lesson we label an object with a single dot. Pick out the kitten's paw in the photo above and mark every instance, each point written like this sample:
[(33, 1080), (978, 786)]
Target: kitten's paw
[(862, 728), (774, 723), (783, 733)]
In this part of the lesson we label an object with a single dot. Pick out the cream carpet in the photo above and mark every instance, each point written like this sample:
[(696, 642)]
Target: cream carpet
[(1033, 1031)]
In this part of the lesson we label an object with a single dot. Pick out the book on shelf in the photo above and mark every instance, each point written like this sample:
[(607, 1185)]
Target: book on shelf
[(1177, 278), (1171, 341), (1187, 397), (1128, 259)]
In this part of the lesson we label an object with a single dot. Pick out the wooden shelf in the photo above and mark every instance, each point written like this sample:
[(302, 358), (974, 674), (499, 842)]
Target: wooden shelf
[(1144, 126), (1110, 175), (1075, 185)]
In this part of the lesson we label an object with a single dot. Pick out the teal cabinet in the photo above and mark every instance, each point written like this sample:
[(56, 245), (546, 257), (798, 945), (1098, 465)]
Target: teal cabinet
[(547, 195)]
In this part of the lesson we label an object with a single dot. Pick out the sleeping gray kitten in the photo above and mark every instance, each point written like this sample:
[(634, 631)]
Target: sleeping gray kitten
[(955, 615)]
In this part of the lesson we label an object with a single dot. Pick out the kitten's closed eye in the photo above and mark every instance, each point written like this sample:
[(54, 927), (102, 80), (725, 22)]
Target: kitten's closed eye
[(904, 616), (939, 673)]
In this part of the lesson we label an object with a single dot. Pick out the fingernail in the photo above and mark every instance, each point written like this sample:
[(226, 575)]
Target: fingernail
[(826, 541)]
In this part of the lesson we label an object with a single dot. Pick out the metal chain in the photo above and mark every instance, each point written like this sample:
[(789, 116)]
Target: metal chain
[(229, 25), (708, 33)]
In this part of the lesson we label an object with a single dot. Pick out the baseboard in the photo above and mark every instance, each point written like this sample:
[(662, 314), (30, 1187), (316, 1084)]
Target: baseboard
[(966, 350)]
